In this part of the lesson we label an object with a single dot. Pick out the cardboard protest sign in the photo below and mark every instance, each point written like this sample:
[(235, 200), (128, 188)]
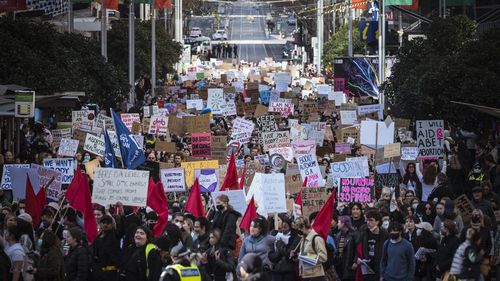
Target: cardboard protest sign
[(356, 190), (343, 148), (68, 147), (208, 179), (95, 145), (65, 166), (196, 104), (269, 193), (371, 129), (197, 124), (189, 168), (251, 108), (165, 146), (409, 153), (130, 187), (45, 175), (283, 108), (59, 134), (285, 150), (464, 207), (430, 138), (251, 170), (267, 123), (91, 166), (275, 139), (309, 168), (175, 125), (6, 176), (201, 144), (242, 130), (129, 118), (218, 148), (216, 101), (348, 117), (236, 197), (260, 110), (158, 125), (349, 132), (313, 199), (304, 147), (173, 179), (293, 183), (317, 132), (82, 119), (392, 150)]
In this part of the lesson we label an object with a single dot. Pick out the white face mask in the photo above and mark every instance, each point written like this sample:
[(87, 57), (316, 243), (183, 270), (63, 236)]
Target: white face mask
[(179, 225), (414, 206), (169, 217), (385, 225)]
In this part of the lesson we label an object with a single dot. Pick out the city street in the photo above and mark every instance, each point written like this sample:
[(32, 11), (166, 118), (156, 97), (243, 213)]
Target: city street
[(246, 27)]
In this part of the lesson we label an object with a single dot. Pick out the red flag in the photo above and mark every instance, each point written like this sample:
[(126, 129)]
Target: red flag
[(158, 202), (323, 220), (249, 216), (194, 204), (304, 183), (41, 199), (297, 205), (163, 4), (111, 4), (359, 273), (231, 180), (78, 195), (242, 180), (31, 203)]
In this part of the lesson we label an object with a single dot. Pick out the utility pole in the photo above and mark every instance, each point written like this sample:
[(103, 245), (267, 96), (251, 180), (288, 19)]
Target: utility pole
[(104, 32), (131, 52), (70, 17), (349, 48), (381, 50), (320, 34), (153, 50)]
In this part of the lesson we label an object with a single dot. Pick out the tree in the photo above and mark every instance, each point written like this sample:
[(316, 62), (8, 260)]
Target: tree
[(35, 55), (338, 44), (167, 51), (452, 64)]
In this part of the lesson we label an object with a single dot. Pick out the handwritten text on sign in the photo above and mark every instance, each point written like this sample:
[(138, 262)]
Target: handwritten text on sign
[(275, 139), (6, 179), (65, 166), (430, 138), (173, 179), (45, 175), (356, 190), (68, 147), (309, 168), (129, 187), (312, 200), (201, 144)]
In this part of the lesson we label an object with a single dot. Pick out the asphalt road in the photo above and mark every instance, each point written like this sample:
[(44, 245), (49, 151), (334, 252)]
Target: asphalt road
[(246, 27)]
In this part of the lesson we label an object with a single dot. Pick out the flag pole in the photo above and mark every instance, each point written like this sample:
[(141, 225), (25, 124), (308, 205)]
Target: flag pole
[(131, 52), (153, 50), (104, 31)]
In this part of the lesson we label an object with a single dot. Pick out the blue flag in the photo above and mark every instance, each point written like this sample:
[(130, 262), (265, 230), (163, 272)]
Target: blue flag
[(109, 154), (132, 155)]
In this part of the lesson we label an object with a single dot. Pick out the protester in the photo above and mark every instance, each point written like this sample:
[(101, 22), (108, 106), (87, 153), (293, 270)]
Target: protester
[(312, 245), (398, 261), (468, 257), (77, 262), (225, 219), (448, 245), (15, 252), (106, 251), (51, 264), (221, 265), (287, 240), (251, 268), (258, 242)]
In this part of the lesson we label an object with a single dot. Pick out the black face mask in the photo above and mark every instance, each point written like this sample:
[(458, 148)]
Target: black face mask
[(219, 207), (151, 225), (394, 236)]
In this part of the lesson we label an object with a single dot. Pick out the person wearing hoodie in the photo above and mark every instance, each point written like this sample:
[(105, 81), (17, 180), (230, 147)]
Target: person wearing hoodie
[(448, 246), (251, 268), (258, 241), (345, 243), (287, 239)]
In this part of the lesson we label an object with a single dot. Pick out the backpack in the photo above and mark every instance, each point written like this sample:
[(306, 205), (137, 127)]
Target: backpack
[(329, 253)]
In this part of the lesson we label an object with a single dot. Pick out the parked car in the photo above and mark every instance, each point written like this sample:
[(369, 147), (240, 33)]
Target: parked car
[(288, 49), (195, 32), (219, 35)]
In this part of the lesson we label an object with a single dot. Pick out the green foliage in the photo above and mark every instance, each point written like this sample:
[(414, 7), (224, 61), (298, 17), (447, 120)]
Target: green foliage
[(167, 51), (35, 55), (337, 45), (450, 65)]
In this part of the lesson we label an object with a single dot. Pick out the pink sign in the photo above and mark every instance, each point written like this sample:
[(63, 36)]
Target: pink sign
[(356, 190), (343, 148)]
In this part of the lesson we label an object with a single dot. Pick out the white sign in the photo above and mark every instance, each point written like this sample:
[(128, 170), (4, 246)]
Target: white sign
[(309, 168), (129, 118), (58, 135), (316, 132), (324, 90), (95, 145), (45, 175), (65, 166), (367, 109), (208, 179), (68, 147), (285, 150), (6, 177), (130, 187), (242, 130), (283, 77), (348, 169), (338, 97), (409, 153), (297, 132), (216, 101), (430, 137), (304, 147), (82, 119), (196, 104), (348, 117), (158, 125), (173, 179), (268, 191), (275, 139), (370, 129)]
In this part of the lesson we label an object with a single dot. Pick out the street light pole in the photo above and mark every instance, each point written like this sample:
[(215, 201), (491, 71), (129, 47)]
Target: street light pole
[(104, 32), (153, 50), (131, 52), (70, 17), (320, 34), (381, 51)]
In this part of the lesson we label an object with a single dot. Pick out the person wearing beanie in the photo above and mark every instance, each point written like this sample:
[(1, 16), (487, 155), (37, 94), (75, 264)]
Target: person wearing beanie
[(251, 268), (182, 268), (106, 251), (77, 262)]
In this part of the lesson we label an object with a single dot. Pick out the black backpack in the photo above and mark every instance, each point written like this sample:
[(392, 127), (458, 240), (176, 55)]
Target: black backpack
[(330, 256)]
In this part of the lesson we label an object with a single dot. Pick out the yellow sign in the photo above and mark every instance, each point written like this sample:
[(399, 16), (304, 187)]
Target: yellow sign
[(189, 168)]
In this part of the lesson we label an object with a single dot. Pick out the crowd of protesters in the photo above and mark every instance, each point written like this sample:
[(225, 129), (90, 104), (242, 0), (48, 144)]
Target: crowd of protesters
[(413, 231)]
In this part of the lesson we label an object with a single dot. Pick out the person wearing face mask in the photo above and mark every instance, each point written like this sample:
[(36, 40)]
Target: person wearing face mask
[(225, 219), (280, 255), (221, 265), (448, 245), (106, 251), (477, 222), (186, 238), (397, 259), (141, 260), (424, 269), (386, 220), (411, 229), (51, 264), (151, 219), (371, 239)]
